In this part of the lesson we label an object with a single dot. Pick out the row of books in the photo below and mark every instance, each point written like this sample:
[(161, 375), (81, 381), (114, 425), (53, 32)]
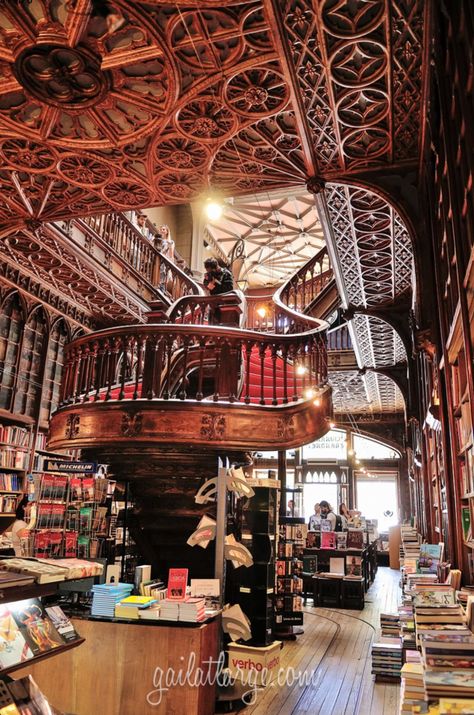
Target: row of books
[(12, 482), (8, 504), (343, 540), (16, 436), (191, 610), (16, 571), (10, 458), (84, 519), (28, 629)]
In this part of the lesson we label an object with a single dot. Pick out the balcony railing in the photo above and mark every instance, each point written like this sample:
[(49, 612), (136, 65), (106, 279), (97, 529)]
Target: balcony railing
[(139, 253), (194, 362), (306, 285)]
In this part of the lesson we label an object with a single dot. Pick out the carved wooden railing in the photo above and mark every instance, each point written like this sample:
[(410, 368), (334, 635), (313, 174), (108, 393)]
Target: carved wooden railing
[(121, 236), (306, 285), (133, 363), (199, 310), (286, 310)]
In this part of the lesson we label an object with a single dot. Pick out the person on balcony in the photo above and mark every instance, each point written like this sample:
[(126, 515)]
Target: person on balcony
[(217, 280), (166, 247)]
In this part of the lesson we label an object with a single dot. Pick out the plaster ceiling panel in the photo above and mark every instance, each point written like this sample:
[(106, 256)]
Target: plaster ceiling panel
[(280, 231)]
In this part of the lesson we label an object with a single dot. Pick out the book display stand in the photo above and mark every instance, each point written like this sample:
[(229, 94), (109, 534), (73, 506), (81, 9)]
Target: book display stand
[(288, 601)]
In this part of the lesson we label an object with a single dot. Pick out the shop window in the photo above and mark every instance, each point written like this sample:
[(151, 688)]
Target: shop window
[(11, 327), (378, 499), (366, 448)]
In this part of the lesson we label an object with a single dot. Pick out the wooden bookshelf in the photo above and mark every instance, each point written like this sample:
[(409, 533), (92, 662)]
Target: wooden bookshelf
[(42, 656)]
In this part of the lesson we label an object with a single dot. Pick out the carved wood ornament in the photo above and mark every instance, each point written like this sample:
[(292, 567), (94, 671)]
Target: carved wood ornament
[(243, 96)]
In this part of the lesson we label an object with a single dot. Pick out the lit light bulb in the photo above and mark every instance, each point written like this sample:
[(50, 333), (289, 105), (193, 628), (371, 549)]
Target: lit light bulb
[(351, 452), (261, 312), (331, 425), (309, 394), (213, 210), (301, 370), (317, 402), (357, 461)]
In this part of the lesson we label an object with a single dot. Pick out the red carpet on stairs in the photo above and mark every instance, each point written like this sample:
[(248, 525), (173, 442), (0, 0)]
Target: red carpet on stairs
[(252, 380)]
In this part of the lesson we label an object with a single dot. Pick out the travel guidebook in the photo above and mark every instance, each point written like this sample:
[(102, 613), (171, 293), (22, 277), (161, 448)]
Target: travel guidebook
[(62, 623)]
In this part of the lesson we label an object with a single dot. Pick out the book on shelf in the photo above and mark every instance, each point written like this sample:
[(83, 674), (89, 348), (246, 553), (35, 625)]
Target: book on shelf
[(52, 487), (354, 565), (41, 572), (341, 540), (310, 563), (47, 544), (35, 626), (328, 539), (62, 623), (326, 525), (336, 565), (15, 436), (355, 539), (14, 648)]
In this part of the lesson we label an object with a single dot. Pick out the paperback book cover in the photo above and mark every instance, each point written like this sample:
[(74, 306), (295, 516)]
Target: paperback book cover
[(430, 556), (62, 623), (328, 539), (13, 647), (341, 540), (434, 598), (75, 489), (355, 539), (353, 566), (35, 626), (326, 525), (310, 564), (177, 582), (53, 487), (88, 489)]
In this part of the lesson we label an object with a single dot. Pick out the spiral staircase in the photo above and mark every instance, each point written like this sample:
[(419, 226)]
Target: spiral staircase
[(159, 401)]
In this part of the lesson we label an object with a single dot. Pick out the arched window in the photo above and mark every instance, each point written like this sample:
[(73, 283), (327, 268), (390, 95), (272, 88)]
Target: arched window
[(28, 387), (11, 328), (53, 369)]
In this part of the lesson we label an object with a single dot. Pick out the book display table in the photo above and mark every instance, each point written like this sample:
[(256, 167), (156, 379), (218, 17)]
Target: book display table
[(366, 558), (120, 666)]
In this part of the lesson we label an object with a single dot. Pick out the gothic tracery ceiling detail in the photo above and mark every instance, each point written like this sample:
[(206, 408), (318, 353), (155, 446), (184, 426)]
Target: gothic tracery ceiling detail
[(242, 96), (369, 393)]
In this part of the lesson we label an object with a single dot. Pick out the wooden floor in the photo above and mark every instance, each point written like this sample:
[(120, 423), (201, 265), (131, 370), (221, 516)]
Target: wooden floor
[(335, 648)]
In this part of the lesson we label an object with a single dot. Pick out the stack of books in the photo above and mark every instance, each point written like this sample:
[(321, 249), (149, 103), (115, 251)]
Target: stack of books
[(448, 652), (169, 610), (390, 624), (412, 692), (131, 606), (407, 626), (449, 684), (106, 596), (192, 610), (387, 660)]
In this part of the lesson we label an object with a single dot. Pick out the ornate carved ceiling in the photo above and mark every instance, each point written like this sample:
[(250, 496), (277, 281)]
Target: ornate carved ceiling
[(240, 96), (371, 393), (280, 232)]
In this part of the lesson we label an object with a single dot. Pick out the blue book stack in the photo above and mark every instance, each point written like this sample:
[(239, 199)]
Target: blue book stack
[(106, 596)]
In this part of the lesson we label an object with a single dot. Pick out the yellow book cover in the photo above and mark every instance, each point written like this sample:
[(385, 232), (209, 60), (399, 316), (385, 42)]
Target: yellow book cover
[(456, 706), (137, 600)]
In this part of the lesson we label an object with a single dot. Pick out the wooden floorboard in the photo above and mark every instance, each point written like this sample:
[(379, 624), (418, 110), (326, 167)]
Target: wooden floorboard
[(335, 650)]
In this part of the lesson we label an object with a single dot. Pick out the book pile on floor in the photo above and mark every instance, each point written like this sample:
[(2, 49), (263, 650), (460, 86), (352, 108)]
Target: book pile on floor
[(106, 596), (386, 659), (390, 624), (407, 626), (412, 690)]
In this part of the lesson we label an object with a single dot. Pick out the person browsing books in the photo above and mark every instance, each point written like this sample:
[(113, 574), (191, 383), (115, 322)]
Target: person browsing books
[(21, 529), (314, 523), (327, 513)]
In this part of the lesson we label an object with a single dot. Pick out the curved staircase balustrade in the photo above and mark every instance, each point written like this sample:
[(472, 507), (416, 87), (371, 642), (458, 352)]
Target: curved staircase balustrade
[(303, 288), (198, 310), (126, 240), (132, 363)]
